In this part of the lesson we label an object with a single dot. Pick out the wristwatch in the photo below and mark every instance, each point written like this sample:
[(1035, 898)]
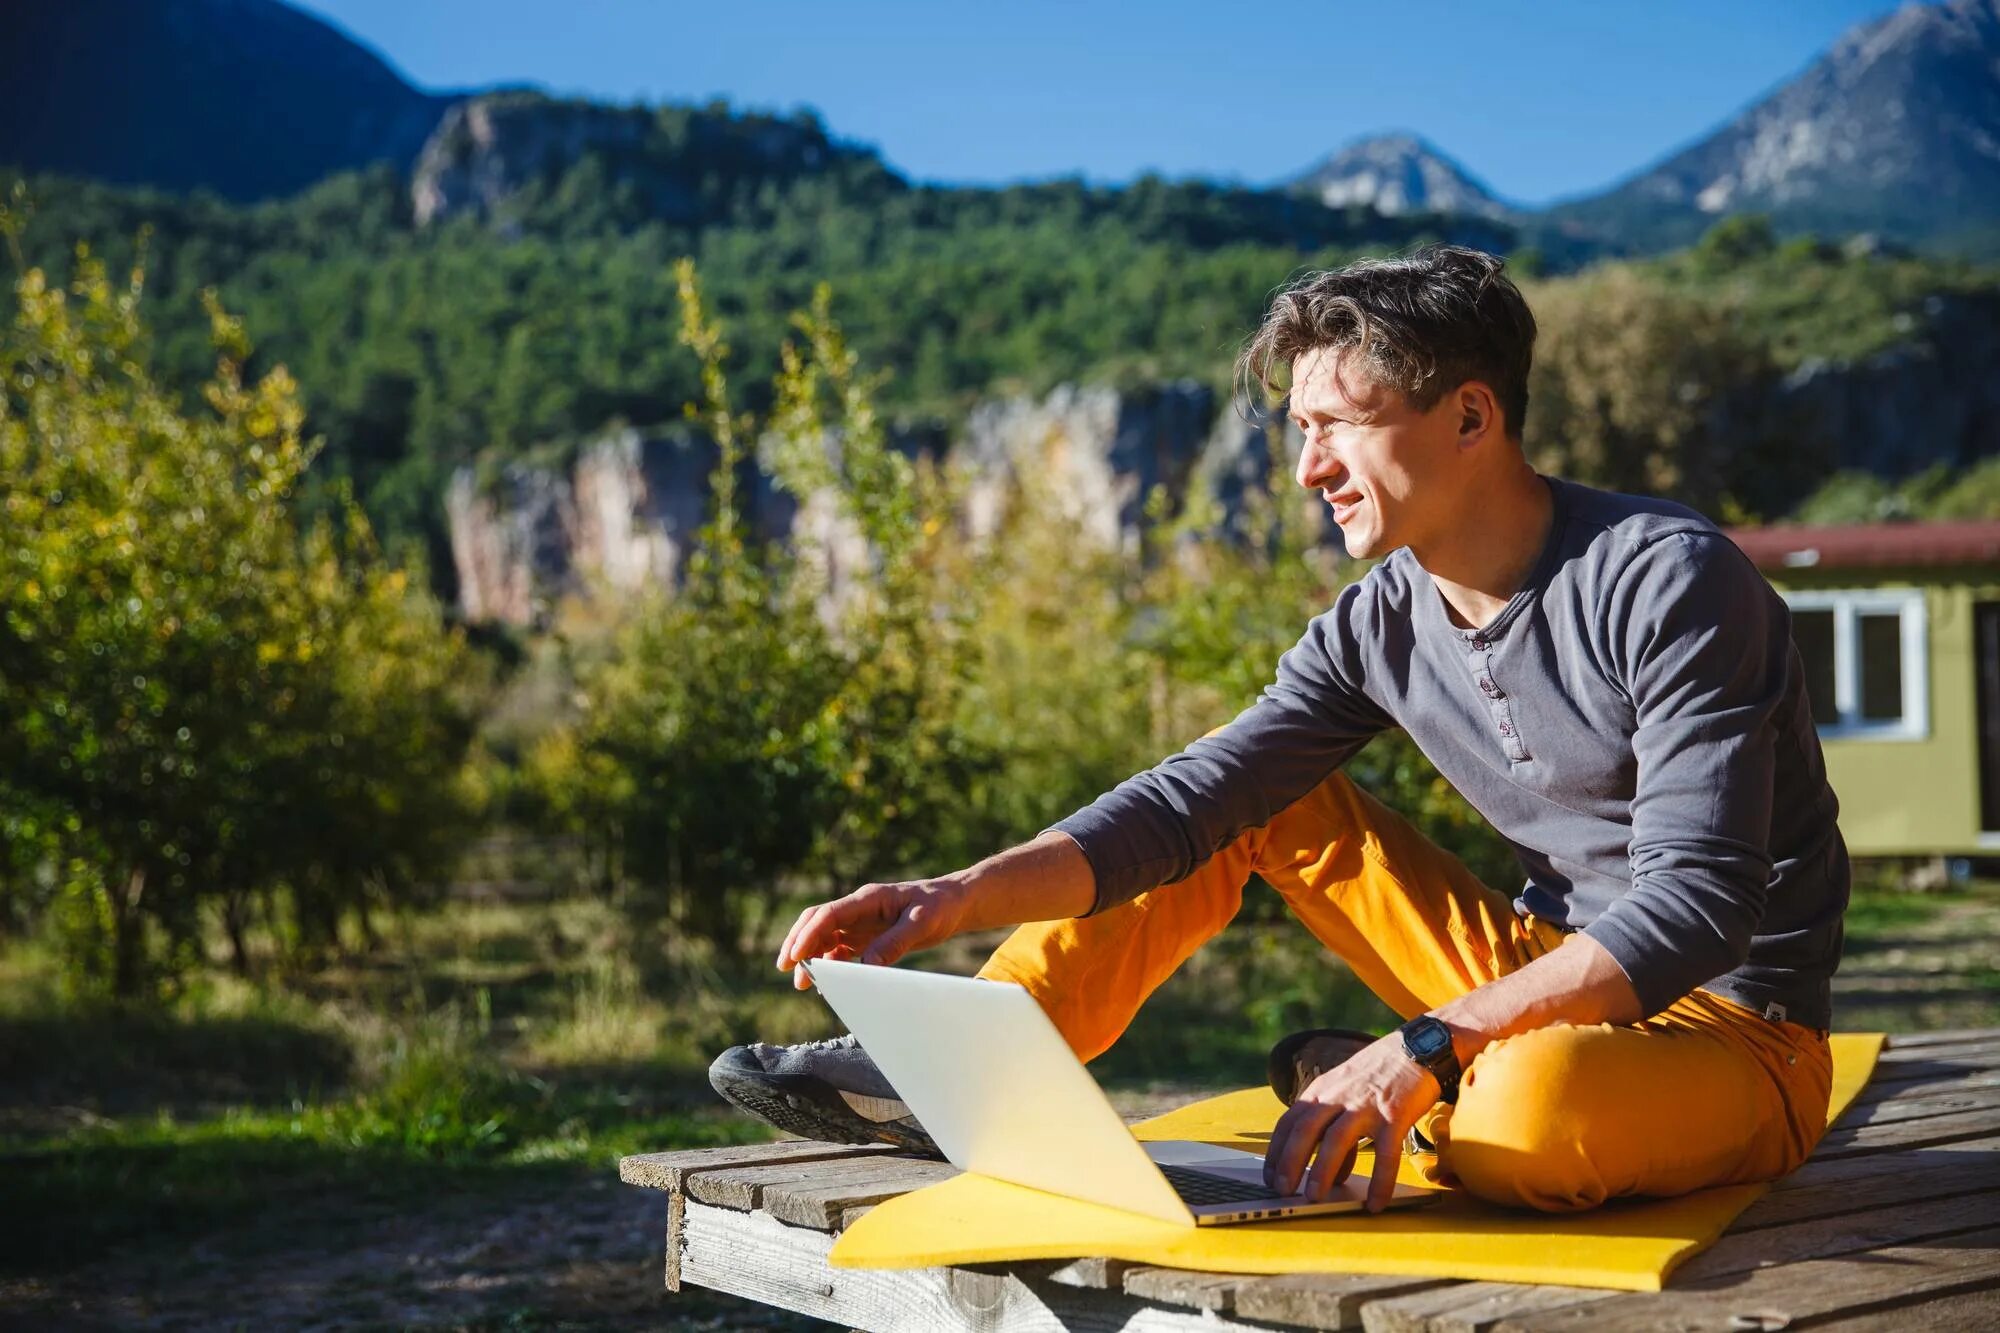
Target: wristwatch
[(1428, 1041)]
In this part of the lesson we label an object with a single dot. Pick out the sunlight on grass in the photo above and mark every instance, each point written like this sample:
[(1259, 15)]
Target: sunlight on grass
[(387, 1078)]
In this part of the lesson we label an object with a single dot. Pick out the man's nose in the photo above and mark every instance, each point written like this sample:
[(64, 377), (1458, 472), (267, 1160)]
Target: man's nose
[(1314, 465)]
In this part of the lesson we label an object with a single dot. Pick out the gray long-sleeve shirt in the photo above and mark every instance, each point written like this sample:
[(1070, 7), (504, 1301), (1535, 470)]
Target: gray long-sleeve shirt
[(1634, 723)]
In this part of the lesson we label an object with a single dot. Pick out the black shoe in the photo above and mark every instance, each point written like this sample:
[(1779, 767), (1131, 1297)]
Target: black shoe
[(825, 1090), (1302, 1057)]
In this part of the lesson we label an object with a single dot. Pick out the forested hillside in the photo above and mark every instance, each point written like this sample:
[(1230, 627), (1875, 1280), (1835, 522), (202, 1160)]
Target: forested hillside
[(522, 325)]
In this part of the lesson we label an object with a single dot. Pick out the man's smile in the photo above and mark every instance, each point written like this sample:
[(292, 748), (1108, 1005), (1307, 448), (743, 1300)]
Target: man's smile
[(1344, 504)]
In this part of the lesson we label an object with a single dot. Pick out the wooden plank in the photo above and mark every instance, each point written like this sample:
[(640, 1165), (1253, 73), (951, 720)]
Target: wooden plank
[(1824, 1238), (665, 1170), (821, 1199), (1925, 1063), (1845, 1185), (745, 1187), (1890, 1110), (1097, 1274), (1469, 1307), (676, 1214), (755, 1256), (1092, 1273), (1794, 1293), (1180, 1286), (1946, 1081), (1322, 1300), (1983, 1054), (1975, 1309), (1840, 1143)]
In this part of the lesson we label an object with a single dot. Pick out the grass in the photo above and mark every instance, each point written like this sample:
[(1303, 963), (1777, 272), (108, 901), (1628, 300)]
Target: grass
[(491, 1051)]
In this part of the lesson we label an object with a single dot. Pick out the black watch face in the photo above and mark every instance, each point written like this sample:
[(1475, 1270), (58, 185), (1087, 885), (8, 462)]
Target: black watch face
[(1430, 1039)]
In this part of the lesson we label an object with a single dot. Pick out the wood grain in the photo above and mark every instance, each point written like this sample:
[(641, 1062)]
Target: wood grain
[(1795, 1293)]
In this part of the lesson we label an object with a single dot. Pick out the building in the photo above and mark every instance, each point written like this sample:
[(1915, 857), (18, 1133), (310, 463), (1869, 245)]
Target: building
[(1899, 627)]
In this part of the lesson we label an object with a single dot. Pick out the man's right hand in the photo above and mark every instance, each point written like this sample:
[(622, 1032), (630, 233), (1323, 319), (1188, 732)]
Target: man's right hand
[(877, 923)]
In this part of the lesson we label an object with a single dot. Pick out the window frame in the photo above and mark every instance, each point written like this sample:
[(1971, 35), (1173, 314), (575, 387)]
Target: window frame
[(1848, 605)]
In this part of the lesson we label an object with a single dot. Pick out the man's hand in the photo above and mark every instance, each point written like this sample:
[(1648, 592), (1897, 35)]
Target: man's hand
[(877, 923), (1042, 880), (1377, 1093)]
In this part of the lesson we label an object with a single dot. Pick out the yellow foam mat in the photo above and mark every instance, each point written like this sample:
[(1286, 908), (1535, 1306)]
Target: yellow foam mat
[(1627, 1244)]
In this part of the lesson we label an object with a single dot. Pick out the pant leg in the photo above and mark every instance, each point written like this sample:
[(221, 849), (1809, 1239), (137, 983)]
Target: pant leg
[(1704, 1093), (1564, 1117), (1416, 926), (1414, 923)]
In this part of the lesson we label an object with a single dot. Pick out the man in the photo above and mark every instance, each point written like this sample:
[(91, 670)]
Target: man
[(1606, 678)]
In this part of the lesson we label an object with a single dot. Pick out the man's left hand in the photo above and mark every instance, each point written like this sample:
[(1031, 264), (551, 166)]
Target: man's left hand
[(1376, 1093)]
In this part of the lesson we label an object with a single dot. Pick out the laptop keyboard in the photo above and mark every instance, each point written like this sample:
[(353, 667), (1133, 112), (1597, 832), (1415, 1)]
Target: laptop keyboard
[(1200, 1187)]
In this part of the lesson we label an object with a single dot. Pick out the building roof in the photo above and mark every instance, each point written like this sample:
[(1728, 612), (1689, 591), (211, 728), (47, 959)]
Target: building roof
[(1872, 545)]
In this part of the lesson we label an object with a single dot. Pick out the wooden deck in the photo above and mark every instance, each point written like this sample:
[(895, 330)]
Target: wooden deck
[(1893, 1224)]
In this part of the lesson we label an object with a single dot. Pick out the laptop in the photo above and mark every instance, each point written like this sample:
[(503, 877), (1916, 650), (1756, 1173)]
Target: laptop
[(988, 1075)]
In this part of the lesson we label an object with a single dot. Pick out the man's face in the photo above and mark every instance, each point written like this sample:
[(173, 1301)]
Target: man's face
[(1379, 462)]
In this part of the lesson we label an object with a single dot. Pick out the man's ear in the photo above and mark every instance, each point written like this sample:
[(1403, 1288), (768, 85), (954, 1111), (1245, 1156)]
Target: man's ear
[(1478, 412)]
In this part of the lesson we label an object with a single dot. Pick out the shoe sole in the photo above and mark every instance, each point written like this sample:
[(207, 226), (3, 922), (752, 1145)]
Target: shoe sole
[(802, 1105)]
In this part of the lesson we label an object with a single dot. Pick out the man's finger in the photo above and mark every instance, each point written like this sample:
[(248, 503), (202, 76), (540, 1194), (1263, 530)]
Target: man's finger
[(785, 950), (1382, 1182), (801, 930), (1292, 1143), (820, 926), (1337, 1147)]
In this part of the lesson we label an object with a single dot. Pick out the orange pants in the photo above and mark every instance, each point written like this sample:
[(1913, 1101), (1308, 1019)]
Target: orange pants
[(1706, 1092)]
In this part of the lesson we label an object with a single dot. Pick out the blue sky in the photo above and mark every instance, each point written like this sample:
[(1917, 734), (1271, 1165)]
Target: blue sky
[(1541, 100)]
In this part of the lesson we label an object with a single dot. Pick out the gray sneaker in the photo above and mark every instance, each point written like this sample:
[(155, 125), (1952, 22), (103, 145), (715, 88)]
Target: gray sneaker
[(825, 1090)]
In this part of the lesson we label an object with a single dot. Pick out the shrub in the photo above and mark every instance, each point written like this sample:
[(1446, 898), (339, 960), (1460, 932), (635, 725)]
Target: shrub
[(206, 707)]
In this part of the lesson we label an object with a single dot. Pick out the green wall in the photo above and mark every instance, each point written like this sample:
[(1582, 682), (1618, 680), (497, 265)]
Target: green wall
[(1916, 797)]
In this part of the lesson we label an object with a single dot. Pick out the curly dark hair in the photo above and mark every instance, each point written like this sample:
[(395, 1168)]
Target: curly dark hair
[(1424, 323)]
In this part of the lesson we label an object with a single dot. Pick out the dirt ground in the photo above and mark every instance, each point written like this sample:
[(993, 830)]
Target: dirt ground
[(585, 1254), (583, 1251)]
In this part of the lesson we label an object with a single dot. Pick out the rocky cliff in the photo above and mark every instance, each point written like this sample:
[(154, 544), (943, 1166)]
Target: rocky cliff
[(624, 514), (622, 517), (1934, 399), (496, 155)]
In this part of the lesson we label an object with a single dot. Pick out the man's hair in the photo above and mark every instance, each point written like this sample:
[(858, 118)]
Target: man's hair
[(1422, 324)]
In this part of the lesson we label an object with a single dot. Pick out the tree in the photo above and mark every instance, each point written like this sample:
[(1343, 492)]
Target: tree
[(787, 711), (204, 707), (1633, 387)]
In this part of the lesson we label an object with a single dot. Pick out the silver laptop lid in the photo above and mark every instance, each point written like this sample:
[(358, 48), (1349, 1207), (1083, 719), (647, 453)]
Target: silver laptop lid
[(995, 1084)]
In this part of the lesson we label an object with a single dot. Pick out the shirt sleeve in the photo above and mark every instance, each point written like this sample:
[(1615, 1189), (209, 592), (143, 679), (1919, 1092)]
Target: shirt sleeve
[(1159, 826), (1703, 647)]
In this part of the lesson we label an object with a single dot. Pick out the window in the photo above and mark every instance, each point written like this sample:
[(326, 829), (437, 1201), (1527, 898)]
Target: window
[(1866, 661)]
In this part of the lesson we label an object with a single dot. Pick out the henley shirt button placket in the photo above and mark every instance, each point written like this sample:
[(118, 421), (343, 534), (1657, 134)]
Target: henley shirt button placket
[(1496, 701)]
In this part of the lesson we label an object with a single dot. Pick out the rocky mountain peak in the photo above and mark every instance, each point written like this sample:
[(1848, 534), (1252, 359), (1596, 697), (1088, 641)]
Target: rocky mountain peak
[(1399, 173), (1896, 128)]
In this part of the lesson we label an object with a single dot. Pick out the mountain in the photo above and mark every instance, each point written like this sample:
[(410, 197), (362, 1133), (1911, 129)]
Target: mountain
[(248, 98), (1397, 174), (511, 157), (1895, 130)]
